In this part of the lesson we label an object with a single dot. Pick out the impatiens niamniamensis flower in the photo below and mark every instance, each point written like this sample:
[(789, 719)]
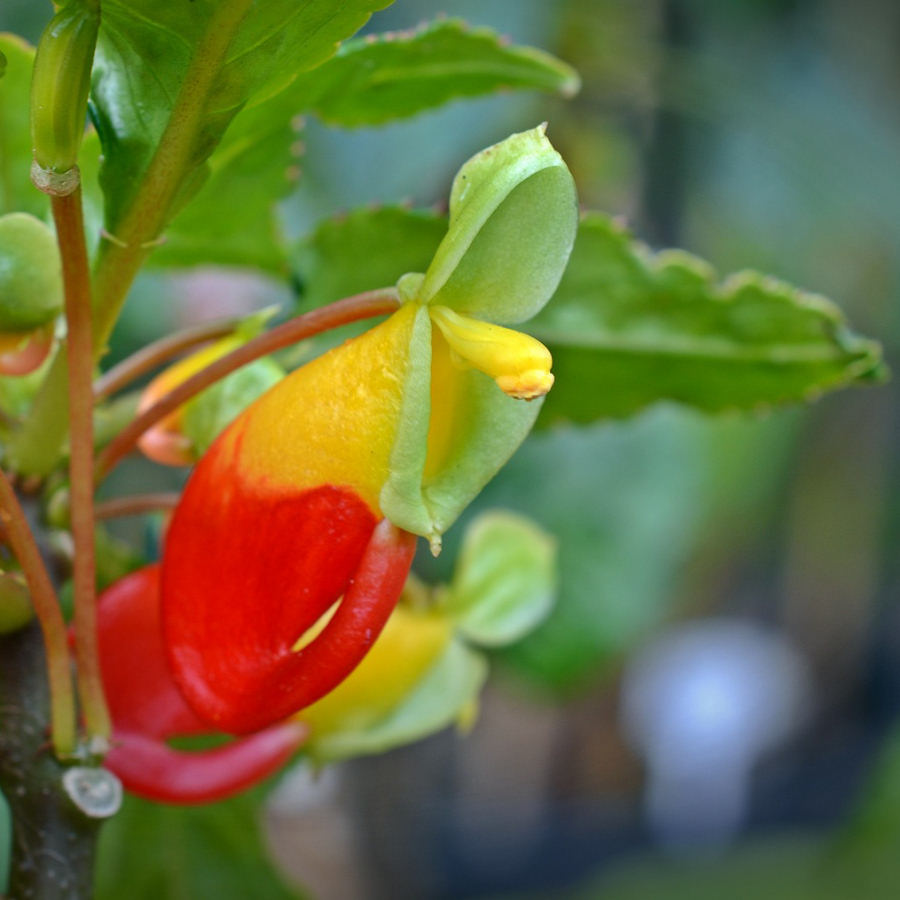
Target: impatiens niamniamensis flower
[(315, 493), (147, 710), (31, 294)]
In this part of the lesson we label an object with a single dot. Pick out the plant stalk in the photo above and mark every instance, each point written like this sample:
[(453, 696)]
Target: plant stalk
[(53, 842), (159, 352), (136, 505), (35, 448), (18, 535), (68, 217)]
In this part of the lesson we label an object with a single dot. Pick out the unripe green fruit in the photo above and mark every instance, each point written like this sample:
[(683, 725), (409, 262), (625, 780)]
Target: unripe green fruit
[(15, 603), (31, 291)]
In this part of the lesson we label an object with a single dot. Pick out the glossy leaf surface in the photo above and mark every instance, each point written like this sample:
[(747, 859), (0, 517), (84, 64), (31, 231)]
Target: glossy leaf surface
[(234, 52), (629, 328), (378, 78)]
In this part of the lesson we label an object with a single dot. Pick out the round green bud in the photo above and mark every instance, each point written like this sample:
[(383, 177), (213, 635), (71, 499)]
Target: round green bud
[(15, 603), (31, 290)]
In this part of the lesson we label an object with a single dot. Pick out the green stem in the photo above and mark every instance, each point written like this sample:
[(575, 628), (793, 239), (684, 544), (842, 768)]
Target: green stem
[(350, 309), (21, 540), (67, 215), (35, 449), (136, 505)]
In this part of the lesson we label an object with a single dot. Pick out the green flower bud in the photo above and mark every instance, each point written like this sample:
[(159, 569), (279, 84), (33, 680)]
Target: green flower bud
[(31, 292), (60, 87), (15, 603)]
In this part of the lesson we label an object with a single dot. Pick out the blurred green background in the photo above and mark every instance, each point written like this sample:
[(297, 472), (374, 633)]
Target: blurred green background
[(755, 133)]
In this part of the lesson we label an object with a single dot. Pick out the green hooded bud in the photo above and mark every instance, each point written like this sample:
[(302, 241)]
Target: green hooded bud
[(60, 86), (31, 292), (513, 218)]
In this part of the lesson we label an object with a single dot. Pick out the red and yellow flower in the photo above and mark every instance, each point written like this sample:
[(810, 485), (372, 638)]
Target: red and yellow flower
[(308, 505)]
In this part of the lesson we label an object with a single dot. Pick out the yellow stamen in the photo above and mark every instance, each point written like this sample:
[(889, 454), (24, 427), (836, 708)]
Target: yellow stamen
[(519, 363)]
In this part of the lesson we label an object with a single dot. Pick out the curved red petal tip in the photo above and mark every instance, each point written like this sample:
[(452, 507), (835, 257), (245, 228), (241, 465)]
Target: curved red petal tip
[(151, 769), (147, 708), (140, 691), (245, 575)]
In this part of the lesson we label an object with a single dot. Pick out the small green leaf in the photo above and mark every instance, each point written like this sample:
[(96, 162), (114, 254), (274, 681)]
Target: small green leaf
[(624, 504), (17, 193), (236, 54), (446, 694), (505, 579), (209, 413), (375, 79), (629, 328), (513, 217), (152, 851)]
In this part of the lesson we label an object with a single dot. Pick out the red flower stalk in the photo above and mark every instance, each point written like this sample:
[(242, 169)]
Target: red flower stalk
[(147, 709)]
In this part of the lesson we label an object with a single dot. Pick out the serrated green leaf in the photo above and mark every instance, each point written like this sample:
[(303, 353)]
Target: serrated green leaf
[(149, 851), (234, 52), (378, 78), (504, 582), (444, 695), (17, 194), (629, 328)]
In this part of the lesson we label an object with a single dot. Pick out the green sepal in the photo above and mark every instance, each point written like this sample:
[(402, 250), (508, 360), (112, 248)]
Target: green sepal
[(447, 693), (487, 427), (504, 582), (401, 497), (31, 292), (513, 217)]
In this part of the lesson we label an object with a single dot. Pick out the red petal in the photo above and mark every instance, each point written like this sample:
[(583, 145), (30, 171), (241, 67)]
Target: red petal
[(150, 769), (141, 694), (247, 570)]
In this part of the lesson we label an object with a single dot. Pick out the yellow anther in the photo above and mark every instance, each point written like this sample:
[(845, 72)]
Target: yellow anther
[(519, 363)]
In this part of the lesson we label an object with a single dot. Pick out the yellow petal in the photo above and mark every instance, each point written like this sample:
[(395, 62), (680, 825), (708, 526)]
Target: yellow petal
[(519, 363)]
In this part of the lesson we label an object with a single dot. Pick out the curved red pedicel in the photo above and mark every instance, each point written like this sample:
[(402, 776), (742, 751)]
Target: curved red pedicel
[(147, 708)]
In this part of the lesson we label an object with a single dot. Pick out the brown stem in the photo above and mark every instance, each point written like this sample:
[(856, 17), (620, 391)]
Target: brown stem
[(350, 309), (153, 355), (53, 842), (21, 540), (67, 215), (135, 505)]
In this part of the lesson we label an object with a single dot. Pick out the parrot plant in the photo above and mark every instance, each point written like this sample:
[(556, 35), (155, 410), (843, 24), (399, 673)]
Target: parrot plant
[(279, 612)]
